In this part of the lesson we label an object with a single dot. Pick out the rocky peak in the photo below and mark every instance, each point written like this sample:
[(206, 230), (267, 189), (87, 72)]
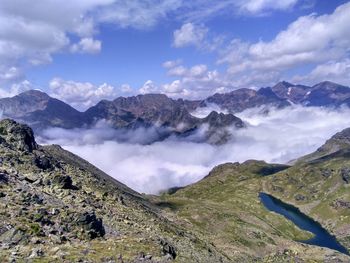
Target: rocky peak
[(35, 94), (18, 136), (283, 84), (215, 120), (327, 84), (291, 92), (24, 103)]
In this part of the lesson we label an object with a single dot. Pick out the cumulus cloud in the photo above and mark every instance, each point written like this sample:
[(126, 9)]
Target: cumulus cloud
[(32, 35), (149, 87), (196, 82), (82, 95), (16, 88), (336, 71), (150, 168), (189, 34), (309, 39), (87, 45)]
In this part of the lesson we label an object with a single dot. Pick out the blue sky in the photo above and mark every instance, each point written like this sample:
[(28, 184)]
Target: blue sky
[(95, 49)]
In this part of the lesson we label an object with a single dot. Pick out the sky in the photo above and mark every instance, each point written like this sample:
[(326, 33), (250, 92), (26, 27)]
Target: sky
[(90, 50)]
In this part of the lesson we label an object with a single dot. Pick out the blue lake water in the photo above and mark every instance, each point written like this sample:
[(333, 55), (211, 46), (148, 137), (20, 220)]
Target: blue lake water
[(321, 237)]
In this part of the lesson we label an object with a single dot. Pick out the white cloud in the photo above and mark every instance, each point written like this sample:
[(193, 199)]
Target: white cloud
[(171, 63), (30, 33), (174, 87), (336, 71), (196, 82), (15, 89), (149, 87), (138, 14), (199, 10), (177, 71), (154, 167), (82, 95), (189, 34), (260, 6), (87, 45), (10, 74), (309, 39)]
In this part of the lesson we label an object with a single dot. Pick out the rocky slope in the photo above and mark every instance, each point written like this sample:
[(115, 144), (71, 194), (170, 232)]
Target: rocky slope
[(56, 207)]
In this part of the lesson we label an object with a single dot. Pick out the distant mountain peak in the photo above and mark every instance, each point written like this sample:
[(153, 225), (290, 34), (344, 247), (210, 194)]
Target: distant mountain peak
[(328, 83), (285, 84), (34, 93)]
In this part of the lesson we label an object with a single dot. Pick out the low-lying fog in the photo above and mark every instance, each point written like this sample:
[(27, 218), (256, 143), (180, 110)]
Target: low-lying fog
[(279, 136)]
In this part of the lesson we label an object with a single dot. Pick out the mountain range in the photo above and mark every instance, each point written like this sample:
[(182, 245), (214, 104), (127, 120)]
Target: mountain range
[(169, 116)]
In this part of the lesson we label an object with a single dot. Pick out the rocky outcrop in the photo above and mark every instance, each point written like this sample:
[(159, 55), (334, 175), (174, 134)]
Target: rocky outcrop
[(20, 137), (91, 225)]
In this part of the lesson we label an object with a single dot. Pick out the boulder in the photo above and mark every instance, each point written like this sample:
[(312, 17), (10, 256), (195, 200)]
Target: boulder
[(42, 162), (18, 136), (91, 224), (64, 182)]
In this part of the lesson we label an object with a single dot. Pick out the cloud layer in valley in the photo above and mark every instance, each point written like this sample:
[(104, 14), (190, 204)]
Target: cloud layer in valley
[(279, 136)]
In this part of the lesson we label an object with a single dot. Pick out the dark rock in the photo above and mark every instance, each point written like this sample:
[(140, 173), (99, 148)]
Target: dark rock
[(2, 194), (345, 174), (43, 163), (276, 188), (168, 249), (3, 178), (340, 204), (299, 197), (19, 136), (64, 182), (36, 252), (91, 224), (326, 173)]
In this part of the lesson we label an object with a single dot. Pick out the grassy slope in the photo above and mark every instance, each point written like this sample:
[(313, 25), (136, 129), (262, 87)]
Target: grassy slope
[(317, 188), (225, 207)]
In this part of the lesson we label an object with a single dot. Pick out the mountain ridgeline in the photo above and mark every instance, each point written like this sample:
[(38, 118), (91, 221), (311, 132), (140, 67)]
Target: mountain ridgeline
[(165, 115), (169, 116)]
